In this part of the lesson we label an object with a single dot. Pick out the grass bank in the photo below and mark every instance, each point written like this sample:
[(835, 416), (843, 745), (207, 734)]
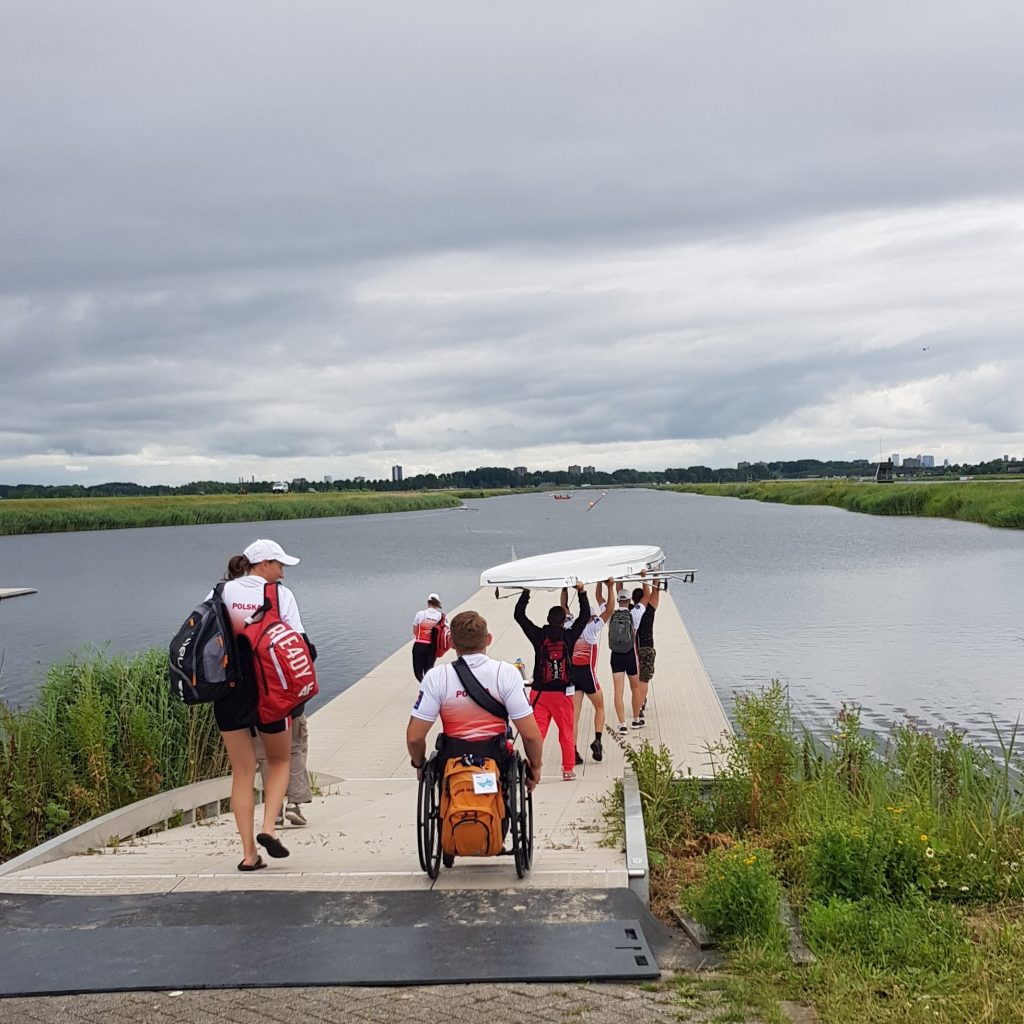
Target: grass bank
[(53, 515), (102, 734), (905, 867), (992, 504)]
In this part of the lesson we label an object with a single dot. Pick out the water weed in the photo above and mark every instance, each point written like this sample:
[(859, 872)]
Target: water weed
[(103, 733)]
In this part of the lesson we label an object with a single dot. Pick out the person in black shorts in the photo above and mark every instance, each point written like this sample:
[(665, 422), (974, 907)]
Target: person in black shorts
[(236, 715), (624, 664)]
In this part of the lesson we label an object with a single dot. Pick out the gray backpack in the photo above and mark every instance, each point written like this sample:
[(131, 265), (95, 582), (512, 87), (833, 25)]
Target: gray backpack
[(620, 631)]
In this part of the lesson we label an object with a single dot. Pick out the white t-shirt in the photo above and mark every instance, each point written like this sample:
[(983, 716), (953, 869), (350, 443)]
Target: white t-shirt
[(424, 622), (245, 595), (441, 693)]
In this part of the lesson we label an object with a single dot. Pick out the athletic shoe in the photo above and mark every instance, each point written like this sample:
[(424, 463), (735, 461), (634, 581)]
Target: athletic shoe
[(294, 815), (568, 775), (623, 731), (638, 723), (595, 749), (579, 760)]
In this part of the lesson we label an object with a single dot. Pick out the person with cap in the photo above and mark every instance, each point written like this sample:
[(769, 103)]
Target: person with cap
[(552, 688), (262, 562), (424, 641), (624, 663)]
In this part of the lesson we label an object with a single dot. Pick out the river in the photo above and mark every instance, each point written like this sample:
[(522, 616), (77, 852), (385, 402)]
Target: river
[(902, 616)]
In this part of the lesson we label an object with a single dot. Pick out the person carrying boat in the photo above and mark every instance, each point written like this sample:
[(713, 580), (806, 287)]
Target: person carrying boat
[(624, 657), (583, 670), (552, 697), (424, 648), (645, 652)]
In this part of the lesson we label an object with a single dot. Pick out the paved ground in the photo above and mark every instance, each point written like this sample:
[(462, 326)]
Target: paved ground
[(437, 1004)]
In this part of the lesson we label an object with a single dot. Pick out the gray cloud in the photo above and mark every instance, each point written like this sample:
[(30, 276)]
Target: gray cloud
[(243, 238)]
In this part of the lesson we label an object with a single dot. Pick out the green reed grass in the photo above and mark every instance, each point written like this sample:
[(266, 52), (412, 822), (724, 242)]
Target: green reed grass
[(992, 504), (103, 733), (53, 515)]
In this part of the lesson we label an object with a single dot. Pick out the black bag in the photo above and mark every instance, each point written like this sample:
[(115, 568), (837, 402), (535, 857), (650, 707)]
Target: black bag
[(203, 663)]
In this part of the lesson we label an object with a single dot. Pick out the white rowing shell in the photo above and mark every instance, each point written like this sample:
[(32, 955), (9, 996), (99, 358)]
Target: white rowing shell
[(567, 568)]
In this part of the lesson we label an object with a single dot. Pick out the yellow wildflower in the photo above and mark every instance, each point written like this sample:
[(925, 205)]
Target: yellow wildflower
[(924, 838)]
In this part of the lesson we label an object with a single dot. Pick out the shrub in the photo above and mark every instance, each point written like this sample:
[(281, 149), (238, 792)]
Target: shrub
[(739, 896)]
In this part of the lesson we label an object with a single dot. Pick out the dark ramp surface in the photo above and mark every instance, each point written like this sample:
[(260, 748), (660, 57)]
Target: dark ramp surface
[(65, 944)]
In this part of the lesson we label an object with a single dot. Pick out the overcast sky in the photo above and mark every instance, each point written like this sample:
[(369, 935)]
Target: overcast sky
[(248, 238)]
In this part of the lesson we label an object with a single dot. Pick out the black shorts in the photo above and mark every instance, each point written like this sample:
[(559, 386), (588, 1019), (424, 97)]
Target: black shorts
[(624, 662), (238, 711), (584, 679)]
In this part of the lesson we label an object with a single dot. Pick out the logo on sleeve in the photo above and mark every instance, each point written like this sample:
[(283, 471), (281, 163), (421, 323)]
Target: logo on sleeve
[(415, 706)]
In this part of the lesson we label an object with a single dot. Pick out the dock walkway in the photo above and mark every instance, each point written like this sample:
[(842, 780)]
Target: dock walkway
[(361, 834)]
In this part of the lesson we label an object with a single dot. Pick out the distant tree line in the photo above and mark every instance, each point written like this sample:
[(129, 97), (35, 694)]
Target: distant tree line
[(498, 477)]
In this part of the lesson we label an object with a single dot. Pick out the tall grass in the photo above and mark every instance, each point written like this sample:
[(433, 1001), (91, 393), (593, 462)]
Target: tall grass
[(103, 733), (992, 504), (53, 515)]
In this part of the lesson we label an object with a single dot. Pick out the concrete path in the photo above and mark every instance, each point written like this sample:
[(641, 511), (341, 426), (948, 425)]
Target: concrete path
[(362, 835)]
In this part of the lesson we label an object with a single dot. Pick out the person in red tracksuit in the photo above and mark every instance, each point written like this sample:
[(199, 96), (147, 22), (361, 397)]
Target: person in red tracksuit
[(552, 687)]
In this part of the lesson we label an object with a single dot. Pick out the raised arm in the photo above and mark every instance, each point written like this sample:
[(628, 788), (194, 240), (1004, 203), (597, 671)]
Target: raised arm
[(609, 606), (532, 631)]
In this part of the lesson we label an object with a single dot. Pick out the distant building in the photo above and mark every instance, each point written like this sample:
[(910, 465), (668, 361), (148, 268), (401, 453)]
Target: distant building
[(519, 470), (359, 479), (928, 461), (589, 469), (396, 474), (884, 472), (912, 463), (328, 479), (895, 458), (574, 471)]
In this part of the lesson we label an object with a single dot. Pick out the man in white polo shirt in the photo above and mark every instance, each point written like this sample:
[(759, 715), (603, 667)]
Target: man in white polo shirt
[(443, 693)]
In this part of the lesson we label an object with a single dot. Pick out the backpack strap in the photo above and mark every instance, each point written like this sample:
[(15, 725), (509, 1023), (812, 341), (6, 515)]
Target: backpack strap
[(476, 691)]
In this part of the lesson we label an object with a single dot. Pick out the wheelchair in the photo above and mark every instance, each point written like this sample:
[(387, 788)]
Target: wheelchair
[(517, 824)]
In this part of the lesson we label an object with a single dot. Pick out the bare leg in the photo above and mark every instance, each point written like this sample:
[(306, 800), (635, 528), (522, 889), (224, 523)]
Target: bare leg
[(597, 699), (618, 686), (638, 691), (242, 755), (577, 704), (278, 747)]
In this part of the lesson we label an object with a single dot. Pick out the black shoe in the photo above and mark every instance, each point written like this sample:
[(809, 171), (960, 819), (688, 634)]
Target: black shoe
[(579, 760), (595, 749)]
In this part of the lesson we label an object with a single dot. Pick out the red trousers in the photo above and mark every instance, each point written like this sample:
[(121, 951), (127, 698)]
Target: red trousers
[(555, 705)]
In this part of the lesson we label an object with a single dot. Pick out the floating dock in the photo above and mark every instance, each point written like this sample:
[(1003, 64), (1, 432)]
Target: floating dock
[(361, 834)]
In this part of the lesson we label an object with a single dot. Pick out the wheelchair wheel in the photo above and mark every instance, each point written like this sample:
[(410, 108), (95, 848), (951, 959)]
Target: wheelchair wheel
[(428, 820), (520, 811)]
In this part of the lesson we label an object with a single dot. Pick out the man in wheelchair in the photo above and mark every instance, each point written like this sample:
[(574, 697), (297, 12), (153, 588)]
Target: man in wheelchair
[(476, 697)]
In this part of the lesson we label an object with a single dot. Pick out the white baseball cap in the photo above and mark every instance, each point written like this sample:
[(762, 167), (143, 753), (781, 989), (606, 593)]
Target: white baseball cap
[(434, 597), (268, 551), (623, 596)]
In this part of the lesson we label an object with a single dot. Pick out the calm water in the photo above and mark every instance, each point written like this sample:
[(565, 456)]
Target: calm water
[(902, 616)]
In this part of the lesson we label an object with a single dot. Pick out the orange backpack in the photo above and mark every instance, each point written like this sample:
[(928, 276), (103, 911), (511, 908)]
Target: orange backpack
[(472, 807)]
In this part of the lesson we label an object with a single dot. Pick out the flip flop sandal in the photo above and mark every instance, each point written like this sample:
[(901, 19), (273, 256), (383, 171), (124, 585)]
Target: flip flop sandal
[(260, 863), (272, 845)]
